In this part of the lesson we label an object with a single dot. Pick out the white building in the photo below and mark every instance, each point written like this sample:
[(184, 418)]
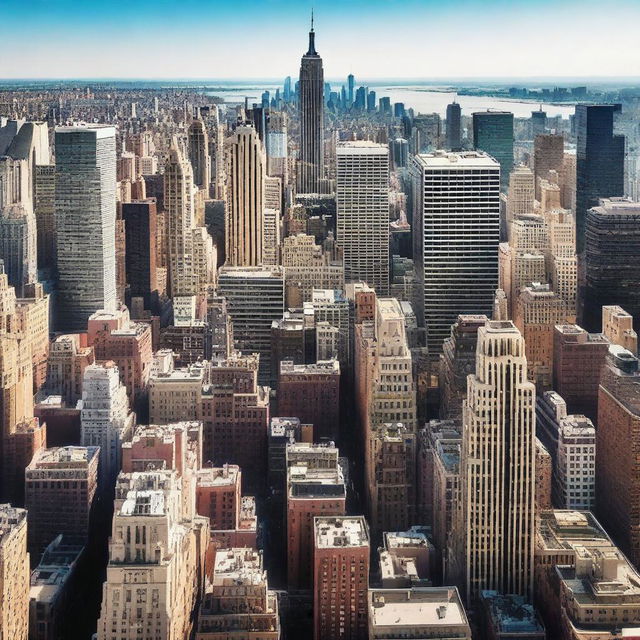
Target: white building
[(105, 418), (457, 226), (362, 208), (574, 474)]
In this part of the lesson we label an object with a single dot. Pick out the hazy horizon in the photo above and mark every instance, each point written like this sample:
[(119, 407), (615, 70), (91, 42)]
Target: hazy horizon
[(374, 39)]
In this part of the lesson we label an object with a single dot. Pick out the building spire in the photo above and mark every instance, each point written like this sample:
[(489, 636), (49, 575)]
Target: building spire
[(312, 39)]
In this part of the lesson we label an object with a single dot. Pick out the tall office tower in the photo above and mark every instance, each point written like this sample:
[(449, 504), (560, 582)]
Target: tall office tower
[(180, 216), (574, 475), (400, 152), (454, 127), (106, 420), (362, 209), (456, 237), (617, 327), (44, 205), (612, 259), (85, 223), (386, 400), (371, 101), (340, 578), (497, 467), (60, 484), (578, 357), (561, 258), (255, 297), (568, 181), (544, 476), (493, 134), (287, 89), (311, 392), (311, 109), (617, 438), (198, 141), (538, 123), (18, 245), (599, 162), (164, 543), (315, 487), (456, 362), (245, 204), (538, 311), (14, 574), (237, 597), (141, 233), (351, 83), (521, 195), (548, 155), (277, 153)]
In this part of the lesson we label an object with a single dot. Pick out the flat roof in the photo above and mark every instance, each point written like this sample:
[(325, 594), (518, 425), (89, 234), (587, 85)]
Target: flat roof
[(341, 532), (461, 160)]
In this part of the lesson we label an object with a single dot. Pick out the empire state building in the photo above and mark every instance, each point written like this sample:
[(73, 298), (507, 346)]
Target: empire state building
[(311, 104)]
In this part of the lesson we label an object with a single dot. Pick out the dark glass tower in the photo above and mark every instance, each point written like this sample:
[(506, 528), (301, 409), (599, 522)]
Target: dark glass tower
[(599, 162), (493, 134), (454, 137), (311, 104)]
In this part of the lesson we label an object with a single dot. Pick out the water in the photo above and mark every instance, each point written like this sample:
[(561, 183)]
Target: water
[(421, 98)]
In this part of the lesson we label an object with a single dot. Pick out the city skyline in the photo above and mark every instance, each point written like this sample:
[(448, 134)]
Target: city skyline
[(128, 39)]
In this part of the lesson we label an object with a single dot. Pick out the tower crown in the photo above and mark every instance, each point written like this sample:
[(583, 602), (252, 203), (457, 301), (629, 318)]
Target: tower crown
[(312, 39)]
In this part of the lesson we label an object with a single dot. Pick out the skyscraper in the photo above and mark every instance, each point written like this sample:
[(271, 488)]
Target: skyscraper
[(351, 81), (311, 105), (612, 259), (493, 134), (199, 155), (244, 226), (454, 139), (180, 215), (85, 223), (497, 467), (362, 206), (548, 155), (456, 237), (599, 164)]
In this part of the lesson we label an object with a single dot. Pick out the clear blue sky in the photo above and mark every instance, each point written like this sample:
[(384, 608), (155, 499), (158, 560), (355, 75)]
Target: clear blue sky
[(373, 39)]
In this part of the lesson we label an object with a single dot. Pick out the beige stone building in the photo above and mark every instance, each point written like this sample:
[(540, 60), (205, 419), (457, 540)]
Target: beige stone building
[(537, 312), (175, 394), (237, 602), (493, 540), (585, 587), (521, 195), (14, 574), (244, 224), (617, 326), (386, 401), (157, 553)]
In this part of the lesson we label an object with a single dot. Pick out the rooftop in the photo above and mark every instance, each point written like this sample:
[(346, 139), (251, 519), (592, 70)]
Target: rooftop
[(462, 160), (416, 608), (511, 613), (341, 532)]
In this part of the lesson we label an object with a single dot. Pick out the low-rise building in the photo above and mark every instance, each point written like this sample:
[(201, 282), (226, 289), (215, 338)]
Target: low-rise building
[(418, 613)]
